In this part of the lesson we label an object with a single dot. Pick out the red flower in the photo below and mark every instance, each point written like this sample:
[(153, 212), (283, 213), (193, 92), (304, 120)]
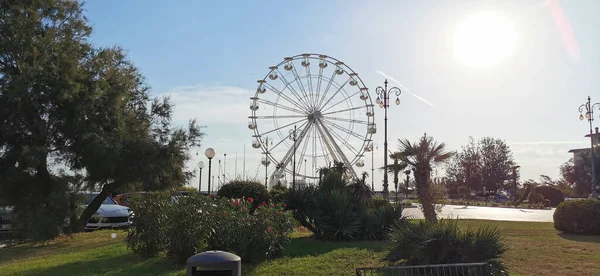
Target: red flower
[(250, 200), (272, 205), (284, 205), (270, 229), (244, 208), (236, 202), (263, 203)]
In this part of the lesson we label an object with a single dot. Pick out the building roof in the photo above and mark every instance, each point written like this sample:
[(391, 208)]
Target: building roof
[(578, 150)]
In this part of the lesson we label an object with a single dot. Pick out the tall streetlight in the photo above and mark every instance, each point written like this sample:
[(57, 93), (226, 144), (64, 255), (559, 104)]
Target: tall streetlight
[(210, 153), (265, 160), (588, 107), (224, 166), (293, 137), (200, 166), (383, 97), (372, 147)]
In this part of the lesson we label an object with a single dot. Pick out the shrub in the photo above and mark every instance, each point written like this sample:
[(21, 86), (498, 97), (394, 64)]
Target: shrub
[(195, 223), (147, 237), (424, 243), (189, 221), (238, 189), (578, 217), (254, 237), (336, 220), (279, 194), (550, 193)]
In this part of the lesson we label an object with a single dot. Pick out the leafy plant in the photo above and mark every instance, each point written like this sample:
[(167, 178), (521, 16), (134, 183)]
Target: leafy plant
[(578, 217), (279, 194), (424, 243), (336, 221), (189, 222), (238, 189), (148, 236)]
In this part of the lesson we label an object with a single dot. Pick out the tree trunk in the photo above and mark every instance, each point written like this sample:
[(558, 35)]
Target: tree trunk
[(92, 208), (425, 195)]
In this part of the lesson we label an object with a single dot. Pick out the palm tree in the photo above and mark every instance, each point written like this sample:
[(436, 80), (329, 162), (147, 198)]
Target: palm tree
[(396, 168), (422, 156), (364, 177)]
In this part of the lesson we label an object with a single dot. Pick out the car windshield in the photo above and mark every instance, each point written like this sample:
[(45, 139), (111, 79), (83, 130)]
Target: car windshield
[(90, 197)]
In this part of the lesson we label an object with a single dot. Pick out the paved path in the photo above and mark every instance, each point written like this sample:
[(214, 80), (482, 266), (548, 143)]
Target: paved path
[(489, 213)]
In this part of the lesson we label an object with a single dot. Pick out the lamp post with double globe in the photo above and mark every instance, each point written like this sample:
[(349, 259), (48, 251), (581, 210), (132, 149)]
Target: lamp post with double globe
[(586, 111), (383, 97)]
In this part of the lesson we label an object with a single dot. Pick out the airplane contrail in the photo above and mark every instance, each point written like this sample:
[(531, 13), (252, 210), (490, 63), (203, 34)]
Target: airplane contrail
[(404, 88)]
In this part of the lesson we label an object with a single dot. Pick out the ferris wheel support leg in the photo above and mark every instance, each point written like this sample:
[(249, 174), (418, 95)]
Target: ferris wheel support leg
[(341, 154)]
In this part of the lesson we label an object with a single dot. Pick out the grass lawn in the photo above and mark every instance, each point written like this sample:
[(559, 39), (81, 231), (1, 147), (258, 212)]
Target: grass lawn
[(535, 249)]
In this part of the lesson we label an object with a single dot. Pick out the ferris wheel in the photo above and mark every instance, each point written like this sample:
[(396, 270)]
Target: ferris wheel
[(314, 109)]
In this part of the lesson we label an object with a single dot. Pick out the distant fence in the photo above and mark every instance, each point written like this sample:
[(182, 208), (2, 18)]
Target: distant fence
[(466, 269)]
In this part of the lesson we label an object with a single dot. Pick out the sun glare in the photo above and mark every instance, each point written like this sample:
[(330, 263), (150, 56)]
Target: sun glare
[(484, 39)]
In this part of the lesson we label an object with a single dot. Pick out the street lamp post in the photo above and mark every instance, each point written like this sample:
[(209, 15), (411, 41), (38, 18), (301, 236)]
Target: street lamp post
[(265, 160), (514, 175), (383, 97), (210, 153), (588, 107), (200, 166), (293, 137)]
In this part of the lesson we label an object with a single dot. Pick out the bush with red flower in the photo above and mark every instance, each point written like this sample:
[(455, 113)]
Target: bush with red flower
[(197, 223)]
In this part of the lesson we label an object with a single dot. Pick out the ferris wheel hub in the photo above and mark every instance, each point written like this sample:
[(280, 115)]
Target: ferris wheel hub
[(315, 115)]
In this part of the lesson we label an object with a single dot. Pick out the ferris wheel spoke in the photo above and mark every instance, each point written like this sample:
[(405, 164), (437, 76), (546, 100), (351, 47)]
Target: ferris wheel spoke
[(278, 128), (300, 84), (303, 151), (288, 136), (346, 120), (343, 110), (350, 132), (345, 143), (324, 148), (339, 150), (335, 93), (280, 106), (289, 154), (281, 94), (280, 117), (310, 90), (325, 143), (291, 87), (331, 81), (345, 99), (319, 81)]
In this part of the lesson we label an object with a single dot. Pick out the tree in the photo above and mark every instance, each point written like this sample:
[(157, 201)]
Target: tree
[(577, 173), (395, 169), (486, 164), (64, 102), (422, 156), (496, 164)]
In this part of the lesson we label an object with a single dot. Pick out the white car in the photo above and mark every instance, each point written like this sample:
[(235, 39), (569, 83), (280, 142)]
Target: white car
[(109, 215)]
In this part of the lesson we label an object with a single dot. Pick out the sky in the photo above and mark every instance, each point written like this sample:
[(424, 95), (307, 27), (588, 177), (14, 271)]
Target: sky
[(523, 87)]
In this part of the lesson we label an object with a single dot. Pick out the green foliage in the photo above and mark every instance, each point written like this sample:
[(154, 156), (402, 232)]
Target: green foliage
[(336, 220), (237, 189), (425, 243), (188, 226), (148, 235), (86, 109), (195, 223), (254, 236), (550, 193), (279, 194), (578, 217), (337, 211), (42, 218)]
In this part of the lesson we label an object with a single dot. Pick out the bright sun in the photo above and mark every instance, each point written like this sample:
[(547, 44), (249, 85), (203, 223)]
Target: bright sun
[(484, 39)]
